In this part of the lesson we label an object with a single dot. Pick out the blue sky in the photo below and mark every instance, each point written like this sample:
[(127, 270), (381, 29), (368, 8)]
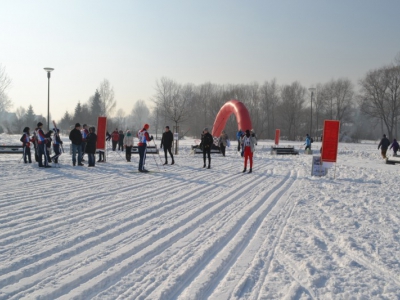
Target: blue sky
[(135, 43)]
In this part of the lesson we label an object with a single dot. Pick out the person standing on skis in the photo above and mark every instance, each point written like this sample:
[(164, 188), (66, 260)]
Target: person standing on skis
[(248, 143), (56, 145), (166, 142), (26, 144), (42, 141), (206, 142), (143, 137)]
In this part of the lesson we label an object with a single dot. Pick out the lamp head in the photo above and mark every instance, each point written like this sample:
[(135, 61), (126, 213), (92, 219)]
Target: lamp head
[(312, 89), (48, 69)]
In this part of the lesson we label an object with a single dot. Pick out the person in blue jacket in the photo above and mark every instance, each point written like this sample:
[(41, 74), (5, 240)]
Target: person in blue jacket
[(307, 143), (239, 135)]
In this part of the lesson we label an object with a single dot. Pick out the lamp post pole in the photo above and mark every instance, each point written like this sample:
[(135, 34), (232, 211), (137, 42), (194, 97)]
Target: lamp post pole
[(48, 70), (312, 94)]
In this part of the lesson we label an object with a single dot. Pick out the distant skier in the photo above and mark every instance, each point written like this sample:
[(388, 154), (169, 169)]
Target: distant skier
[(395, 146), (248, 142), (90, 148), (166, 143), (128, 143), (384, 145), (206, 142), (308, 142), (143, 137), (223, 142), (121, 136), (26, 144), (41, 141), (76, 143), (84, 133), (57, 142), (239, 135)]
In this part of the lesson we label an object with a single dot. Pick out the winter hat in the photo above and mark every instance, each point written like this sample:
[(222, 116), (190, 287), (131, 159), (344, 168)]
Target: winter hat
[(39, 124), (146, 126), (167, 127), (384, 135), (84, 125), (205, 129), (26, 129), (77, 125)]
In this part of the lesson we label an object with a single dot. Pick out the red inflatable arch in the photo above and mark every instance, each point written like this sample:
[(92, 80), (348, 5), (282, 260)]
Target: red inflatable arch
[(232, 107)]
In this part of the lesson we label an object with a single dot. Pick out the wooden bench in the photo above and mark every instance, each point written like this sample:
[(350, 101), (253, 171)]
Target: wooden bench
[(11, 149), (284, 150)]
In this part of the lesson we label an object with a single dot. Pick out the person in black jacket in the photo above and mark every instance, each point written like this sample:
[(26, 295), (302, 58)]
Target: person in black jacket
[(91, 140), (76, 139), (166, 142), (48, 145), (384, 145), (206, 142)]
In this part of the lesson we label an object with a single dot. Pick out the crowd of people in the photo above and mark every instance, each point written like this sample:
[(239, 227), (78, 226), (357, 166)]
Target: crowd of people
[(84, 140)]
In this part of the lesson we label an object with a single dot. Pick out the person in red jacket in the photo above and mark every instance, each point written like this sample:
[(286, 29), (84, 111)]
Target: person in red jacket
[(115, 139), (143, 137), (26, 143)]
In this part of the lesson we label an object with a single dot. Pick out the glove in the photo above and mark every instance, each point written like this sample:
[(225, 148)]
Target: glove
[(151, 138)]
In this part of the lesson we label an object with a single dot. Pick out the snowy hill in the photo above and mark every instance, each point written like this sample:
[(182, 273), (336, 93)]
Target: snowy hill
[(191, 233)]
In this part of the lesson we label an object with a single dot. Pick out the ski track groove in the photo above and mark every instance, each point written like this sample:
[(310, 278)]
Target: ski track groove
[(247, 281), (162, 238), (93, 234), (225, 178), (182, 256), (208, 286)]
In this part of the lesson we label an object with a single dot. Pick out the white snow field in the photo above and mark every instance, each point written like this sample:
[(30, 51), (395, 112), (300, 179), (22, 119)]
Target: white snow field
[(190, 233)]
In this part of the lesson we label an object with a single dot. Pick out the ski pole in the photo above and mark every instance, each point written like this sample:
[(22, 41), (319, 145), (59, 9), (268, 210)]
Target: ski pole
[(156, 163), (155, 145)]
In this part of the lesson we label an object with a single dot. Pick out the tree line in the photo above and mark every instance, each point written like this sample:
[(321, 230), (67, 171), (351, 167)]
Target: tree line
[(365, 113)]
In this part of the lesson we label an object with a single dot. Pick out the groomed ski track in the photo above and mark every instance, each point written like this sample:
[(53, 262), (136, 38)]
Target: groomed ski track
[(187, 233)]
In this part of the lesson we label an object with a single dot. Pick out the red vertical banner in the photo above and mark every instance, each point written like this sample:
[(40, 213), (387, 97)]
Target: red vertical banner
[(277, 136), (101, 133), (330, 141)]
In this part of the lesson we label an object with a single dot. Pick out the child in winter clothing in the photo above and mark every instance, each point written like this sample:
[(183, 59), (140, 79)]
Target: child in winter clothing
[(26, 143), (395, 146), (128, 143), (57, 142), (307, 143)]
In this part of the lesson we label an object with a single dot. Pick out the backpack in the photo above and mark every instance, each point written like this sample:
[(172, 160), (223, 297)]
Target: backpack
[(311, 140)]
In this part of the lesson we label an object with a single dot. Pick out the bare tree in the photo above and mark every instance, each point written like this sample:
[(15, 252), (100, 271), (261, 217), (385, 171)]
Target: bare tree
[(291, 107), (174, 100), (269, 100), (19, 121), (107, 98), (5, 82), (140, 115), (120, 119), (380, 96)]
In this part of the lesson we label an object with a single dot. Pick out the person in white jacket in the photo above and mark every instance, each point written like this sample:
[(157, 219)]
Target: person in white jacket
[(128, 143)]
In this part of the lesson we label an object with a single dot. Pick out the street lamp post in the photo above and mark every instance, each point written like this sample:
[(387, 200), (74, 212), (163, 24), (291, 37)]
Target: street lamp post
[(48, 70), (312, 94)]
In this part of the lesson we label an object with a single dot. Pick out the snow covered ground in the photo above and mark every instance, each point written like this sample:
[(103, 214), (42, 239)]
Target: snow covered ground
[(192, 233)]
